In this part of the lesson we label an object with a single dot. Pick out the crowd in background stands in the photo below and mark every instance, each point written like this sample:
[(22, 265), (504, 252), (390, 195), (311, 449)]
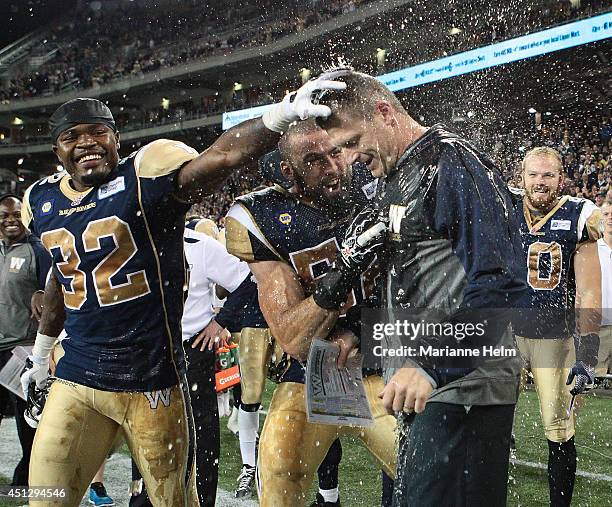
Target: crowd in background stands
[(585, 145), (217, 205), (96, 47)]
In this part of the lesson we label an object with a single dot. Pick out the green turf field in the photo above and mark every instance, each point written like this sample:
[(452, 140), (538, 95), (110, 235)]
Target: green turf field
[(360, 480)]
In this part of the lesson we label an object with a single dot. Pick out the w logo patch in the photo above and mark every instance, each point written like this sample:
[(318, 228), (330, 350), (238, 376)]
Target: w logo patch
[(16, 263), (155, 396)]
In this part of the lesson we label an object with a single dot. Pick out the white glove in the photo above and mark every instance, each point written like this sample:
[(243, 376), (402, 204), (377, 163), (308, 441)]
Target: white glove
[(36, 370), (298, 105)]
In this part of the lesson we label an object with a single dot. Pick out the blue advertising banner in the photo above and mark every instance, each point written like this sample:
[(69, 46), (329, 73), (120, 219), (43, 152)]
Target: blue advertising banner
[(558, 38)]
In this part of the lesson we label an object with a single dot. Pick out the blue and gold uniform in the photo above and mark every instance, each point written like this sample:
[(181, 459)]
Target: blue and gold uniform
[(117, 252), (545, 335), (274, 225)]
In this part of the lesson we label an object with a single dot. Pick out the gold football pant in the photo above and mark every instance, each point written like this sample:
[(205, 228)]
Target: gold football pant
[(256, 348), (291, 449), (79, 425), (605, 351), (550, 361)]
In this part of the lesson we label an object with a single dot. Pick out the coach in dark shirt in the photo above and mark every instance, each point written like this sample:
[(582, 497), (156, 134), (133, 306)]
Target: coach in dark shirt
[(448, 245)]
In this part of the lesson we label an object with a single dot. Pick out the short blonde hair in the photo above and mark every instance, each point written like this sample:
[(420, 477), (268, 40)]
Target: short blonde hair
[(543, 151)]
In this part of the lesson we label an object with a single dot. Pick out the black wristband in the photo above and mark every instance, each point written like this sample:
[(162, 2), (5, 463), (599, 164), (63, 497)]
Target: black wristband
[(587, 348), (332, 290)]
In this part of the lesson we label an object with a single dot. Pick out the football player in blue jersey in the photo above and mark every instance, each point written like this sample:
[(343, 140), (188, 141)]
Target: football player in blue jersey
[(559, 235), (290, 238), (114, 229)]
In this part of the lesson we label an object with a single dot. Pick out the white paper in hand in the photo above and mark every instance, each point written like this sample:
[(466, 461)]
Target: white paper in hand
[(335, 396)]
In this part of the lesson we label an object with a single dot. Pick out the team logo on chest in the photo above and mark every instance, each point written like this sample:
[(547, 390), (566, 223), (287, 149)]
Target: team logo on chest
[(396, 215), (16, 263), (284, 218), (46, 208)]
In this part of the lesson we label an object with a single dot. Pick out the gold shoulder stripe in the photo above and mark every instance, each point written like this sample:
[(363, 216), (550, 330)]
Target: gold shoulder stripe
[(594, 225), (208, 227), (162, 157), (237, 240), (26, 208)]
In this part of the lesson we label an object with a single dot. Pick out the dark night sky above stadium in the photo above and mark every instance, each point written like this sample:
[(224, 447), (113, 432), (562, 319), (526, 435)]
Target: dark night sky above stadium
[(23, 16)]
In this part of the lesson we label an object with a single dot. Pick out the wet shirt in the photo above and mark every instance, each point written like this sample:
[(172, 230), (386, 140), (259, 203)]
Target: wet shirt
[(273, 224), (118, 253), (452, 244), (549, 243)]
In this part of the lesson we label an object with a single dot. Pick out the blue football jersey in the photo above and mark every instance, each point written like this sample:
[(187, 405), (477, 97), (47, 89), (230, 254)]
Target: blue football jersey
[(241, 308), (273, 224), (549, 243), (118, 253)]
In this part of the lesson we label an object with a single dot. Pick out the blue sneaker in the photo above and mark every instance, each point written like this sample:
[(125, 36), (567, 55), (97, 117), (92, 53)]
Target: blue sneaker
[(98, 495)]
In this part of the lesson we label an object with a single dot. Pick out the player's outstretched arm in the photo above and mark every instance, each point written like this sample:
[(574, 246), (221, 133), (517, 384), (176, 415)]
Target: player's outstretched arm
[(243, 144), (294, 319)]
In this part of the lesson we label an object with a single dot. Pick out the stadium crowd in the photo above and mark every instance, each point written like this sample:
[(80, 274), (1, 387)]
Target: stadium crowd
[(86, 56), (584, 142)]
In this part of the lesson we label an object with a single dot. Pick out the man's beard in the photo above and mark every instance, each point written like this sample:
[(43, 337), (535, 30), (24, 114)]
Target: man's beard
[(95, 179), (538, 203), (335, 204)]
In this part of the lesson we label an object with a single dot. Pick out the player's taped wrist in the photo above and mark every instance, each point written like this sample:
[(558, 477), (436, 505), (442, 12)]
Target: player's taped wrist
[(333, 289), (42, 348), (587, 349)]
